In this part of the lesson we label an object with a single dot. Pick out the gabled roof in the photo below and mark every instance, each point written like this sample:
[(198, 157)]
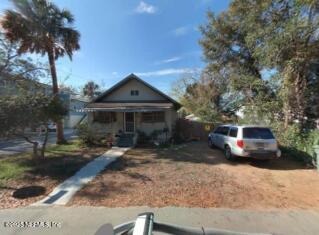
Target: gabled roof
[(134, 77)]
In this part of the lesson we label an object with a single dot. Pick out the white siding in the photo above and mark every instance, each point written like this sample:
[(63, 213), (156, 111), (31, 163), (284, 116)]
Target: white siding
[(123, 93)]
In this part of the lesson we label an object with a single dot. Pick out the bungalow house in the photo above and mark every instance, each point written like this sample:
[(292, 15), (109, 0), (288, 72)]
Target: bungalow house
[(132, 107)]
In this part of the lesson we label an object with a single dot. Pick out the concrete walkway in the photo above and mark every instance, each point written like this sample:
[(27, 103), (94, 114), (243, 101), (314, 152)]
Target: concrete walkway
[(62, 194), (87, 220)]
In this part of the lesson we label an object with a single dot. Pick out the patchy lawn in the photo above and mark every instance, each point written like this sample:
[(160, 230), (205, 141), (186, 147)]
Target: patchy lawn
[(23, 181), (196, 176)]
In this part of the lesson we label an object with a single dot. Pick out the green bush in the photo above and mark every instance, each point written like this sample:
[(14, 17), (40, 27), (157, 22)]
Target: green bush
[(296, 142), (86, 136), (142, 137)]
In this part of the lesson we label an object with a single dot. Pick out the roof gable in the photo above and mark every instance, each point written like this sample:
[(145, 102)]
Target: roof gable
[(120, 92)]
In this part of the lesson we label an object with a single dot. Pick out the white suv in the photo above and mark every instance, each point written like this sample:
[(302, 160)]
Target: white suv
[(245, 141)]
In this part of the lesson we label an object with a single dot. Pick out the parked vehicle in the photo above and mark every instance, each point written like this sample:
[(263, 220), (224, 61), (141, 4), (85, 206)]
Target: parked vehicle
[(52, 127), (245, 141)]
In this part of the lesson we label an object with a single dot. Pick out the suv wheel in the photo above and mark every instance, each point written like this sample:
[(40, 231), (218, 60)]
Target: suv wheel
[(228, 154)]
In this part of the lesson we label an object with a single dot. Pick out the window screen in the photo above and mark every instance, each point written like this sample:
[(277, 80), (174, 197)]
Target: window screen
[(104, 117), (153, 117)]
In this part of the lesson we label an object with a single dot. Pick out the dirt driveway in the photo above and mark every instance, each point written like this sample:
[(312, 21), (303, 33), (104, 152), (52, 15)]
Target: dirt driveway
[(193, 175)]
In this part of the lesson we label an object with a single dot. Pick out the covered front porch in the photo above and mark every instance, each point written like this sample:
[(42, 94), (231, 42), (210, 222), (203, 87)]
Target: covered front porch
[(130, 119)]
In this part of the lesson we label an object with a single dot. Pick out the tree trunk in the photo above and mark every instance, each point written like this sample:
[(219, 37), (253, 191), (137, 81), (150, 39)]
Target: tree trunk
[(287, 96), (59, 124), (286, 116), (44, 142), (300, 84), (34, 147), (35, 150)]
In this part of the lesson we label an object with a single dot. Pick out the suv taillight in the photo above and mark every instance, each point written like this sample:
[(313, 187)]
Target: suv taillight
[(240, 143)]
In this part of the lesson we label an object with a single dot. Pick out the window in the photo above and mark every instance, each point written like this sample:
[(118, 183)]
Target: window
[(224, 130), (233, 132), (104, 117), (134, 93), (218, 130), (153, 117), (257, 133)]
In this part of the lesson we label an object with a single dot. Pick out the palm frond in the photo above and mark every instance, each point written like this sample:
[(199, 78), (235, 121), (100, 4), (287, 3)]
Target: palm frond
[(40, 26)]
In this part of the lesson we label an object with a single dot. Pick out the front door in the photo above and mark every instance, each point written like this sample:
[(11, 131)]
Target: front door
[(129, 122)]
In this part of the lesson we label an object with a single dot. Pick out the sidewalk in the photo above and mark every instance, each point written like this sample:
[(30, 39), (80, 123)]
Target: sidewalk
[(62, 194), (87, 220), (19, 145)]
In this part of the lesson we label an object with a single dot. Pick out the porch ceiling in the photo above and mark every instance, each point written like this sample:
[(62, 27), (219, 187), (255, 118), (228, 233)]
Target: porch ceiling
[(127, 107)]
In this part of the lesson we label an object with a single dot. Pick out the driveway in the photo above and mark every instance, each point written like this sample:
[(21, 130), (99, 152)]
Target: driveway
[(87, 220), (19, 145), (194, 175)]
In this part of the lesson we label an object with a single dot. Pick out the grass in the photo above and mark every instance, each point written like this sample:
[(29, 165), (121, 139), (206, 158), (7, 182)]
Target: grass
[(14, 166), (11, 169), (62, 149), (59, 160)]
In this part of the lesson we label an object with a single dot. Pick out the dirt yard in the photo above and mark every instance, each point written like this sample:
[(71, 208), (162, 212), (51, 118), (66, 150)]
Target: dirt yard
[(196, 176), (23, 181)]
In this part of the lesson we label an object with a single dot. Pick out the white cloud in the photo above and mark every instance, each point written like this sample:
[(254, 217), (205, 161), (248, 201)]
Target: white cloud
[(165, 72), (115, 73), (143, 7), (181, 31), (170, 60)]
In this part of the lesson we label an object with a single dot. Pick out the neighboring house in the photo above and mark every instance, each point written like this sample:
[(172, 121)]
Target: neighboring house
[(75, 115), (132, 106), (192, 117), (10, 86), (73, 102)]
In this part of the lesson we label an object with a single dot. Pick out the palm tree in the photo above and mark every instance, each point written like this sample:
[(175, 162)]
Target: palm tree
[(39, 26), (91, 89)]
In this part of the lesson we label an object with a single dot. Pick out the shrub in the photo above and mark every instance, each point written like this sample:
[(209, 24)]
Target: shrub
[(178, 137), (86, 136), (142, 137), (296, 142)]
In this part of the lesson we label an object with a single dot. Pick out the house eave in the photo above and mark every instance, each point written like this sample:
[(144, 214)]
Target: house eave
[(141, 110), (130, 77)]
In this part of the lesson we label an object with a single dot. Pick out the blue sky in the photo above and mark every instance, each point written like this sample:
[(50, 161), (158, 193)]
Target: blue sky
[(157, 40)]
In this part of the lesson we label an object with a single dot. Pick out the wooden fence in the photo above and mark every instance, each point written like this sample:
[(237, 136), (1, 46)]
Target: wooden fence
[(193, 130)]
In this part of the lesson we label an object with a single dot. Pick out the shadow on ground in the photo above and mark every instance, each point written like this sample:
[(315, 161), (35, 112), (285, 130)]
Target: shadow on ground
[(199, 152), (29, 191), (57, 165)]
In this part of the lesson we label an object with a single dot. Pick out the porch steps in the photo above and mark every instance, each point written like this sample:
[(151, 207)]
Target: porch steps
[(125, 141)]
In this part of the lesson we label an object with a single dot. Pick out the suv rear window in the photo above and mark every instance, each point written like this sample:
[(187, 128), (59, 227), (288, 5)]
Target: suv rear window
[(257, 133)]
